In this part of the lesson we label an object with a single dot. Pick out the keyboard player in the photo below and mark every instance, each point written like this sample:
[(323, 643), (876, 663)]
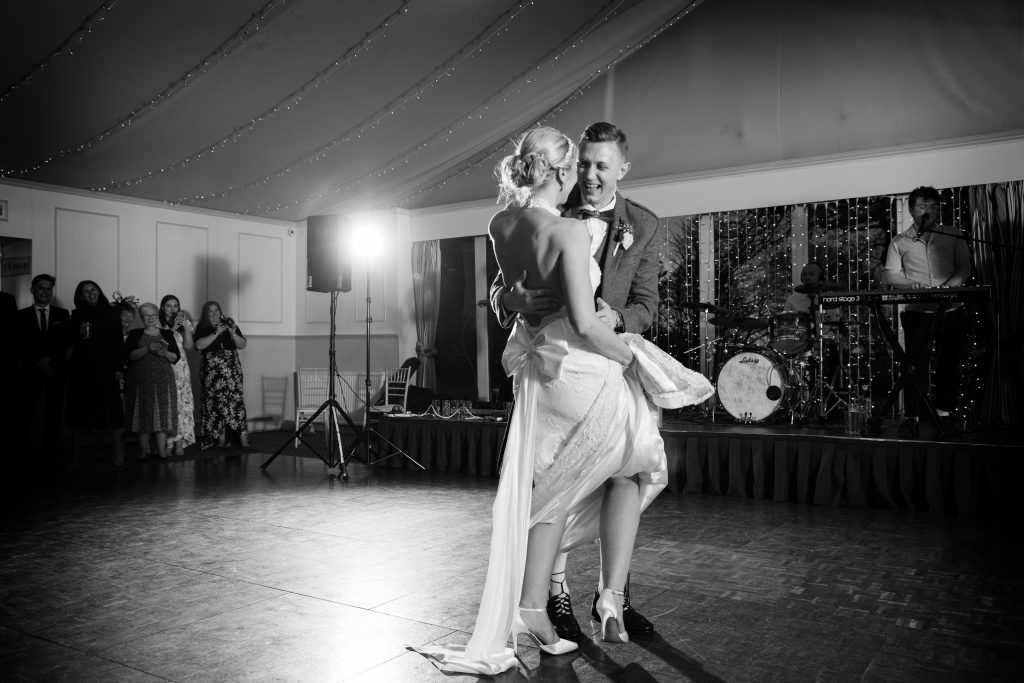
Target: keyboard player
[(929, 254)]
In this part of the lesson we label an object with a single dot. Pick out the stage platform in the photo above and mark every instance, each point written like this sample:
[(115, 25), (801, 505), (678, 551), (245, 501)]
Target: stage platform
[(974, 474)]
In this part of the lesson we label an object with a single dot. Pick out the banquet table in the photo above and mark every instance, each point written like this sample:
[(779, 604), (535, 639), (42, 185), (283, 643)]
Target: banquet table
[(470, 446)]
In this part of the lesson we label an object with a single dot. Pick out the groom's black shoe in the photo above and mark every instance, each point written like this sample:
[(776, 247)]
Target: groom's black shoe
[(633, 621), (562, 618)]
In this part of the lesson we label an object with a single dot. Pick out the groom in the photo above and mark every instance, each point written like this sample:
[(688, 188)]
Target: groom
[(624, 239)]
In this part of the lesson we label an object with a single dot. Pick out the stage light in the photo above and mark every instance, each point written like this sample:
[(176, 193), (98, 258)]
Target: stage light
[(367, 239)]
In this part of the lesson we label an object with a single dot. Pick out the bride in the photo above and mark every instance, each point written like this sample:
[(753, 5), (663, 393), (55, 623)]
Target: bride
[(583, 455)]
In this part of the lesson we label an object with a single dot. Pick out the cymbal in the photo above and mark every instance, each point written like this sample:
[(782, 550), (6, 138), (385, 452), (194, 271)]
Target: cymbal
[(724, 321), (701, 306)]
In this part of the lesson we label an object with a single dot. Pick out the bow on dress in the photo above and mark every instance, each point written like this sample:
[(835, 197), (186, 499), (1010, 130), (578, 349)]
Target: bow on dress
[(524, 350)]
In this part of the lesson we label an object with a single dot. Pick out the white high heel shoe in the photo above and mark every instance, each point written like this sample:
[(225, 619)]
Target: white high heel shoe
[(519, 627), (610, 611)]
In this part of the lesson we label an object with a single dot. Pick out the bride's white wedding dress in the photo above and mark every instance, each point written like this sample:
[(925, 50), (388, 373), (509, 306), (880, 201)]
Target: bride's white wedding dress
[(579, 419)]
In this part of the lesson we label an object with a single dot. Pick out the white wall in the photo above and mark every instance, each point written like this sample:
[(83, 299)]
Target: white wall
[(256, 268), (148, 250), (969, 161)]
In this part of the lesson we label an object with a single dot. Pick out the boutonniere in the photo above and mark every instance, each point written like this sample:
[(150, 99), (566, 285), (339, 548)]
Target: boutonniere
[(623, 235)]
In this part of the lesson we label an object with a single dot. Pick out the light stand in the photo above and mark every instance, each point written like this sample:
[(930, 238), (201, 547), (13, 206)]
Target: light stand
[(335, 452), (367, 430)]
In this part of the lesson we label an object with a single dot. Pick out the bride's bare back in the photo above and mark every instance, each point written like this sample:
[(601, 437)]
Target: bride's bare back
[(533, 241)]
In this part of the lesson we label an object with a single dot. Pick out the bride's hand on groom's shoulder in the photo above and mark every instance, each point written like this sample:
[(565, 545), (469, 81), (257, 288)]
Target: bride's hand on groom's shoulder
[(520, 299)]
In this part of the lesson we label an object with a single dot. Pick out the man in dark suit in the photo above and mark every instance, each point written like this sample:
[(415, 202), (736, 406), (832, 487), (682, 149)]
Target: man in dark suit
[(625, 240), (9, 362), (42, 346)]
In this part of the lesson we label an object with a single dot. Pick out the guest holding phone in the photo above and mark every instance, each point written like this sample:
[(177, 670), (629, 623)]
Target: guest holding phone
[(220, 374), (174, 319)]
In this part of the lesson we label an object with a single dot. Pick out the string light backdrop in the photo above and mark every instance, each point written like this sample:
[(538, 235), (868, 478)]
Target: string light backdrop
[(752, 263)]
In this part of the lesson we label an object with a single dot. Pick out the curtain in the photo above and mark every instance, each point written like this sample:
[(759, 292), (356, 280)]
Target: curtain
[(997, 215), (426, 286)]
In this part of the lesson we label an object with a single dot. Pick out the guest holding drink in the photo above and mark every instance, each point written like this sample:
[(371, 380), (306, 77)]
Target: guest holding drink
[(174, 319), (150, 391), (94, 370), (220, 374)]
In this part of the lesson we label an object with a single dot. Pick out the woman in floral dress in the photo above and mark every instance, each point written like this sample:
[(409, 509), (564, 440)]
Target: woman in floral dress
[(220, 373), (174, 319)]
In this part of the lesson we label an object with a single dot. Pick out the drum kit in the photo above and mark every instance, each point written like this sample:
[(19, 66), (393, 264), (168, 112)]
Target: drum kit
[(795, 373)]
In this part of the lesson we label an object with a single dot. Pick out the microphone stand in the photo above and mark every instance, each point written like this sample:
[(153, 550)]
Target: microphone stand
[(335, 458), (367, 430)]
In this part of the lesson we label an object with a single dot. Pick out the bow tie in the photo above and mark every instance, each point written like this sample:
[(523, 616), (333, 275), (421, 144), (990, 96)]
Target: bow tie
[(606, 216)]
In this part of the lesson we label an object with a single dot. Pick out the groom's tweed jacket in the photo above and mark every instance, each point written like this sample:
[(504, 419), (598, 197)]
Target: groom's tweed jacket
[(629, 277)]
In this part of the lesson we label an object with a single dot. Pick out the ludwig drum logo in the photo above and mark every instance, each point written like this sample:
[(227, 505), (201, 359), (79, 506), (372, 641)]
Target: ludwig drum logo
[(749, 359)]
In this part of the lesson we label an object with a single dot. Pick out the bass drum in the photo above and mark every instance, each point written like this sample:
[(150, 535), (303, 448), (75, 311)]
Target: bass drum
[(753, 386)]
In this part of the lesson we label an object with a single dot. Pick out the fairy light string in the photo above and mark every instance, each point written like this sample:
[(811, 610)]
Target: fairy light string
[(67, 47), (588, 81), (389, 110), (259, 20), (287, 102), (444, 133)]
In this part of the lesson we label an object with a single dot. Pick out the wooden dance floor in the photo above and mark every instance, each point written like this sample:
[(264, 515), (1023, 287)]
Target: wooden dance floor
[(207, 569)]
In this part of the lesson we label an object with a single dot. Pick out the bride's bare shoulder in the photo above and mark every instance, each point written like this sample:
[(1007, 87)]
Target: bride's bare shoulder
[(502, 221), (567, 231)]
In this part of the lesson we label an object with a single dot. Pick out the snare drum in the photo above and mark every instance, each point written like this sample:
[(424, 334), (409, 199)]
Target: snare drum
[(791, 332), (753, 386)]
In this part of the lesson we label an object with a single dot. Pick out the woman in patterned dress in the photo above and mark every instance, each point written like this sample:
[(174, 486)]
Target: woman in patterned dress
[(150, 394), (220, 373), (174, 319)]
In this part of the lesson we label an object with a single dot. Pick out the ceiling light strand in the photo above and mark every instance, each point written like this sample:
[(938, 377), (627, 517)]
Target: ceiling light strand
[(293, 98), (77, 37), (466, 168), (257, 22), (389, 110), (444, 134)]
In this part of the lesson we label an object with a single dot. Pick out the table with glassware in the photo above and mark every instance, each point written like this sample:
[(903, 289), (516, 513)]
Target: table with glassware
[(449, 437)]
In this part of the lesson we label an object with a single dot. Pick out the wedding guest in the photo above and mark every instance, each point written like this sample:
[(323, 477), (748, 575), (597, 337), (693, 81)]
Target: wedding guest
[(42, 337), (9, 363), (220, 374), (127, 315), (150, 391), (174, 319), (94, 371)]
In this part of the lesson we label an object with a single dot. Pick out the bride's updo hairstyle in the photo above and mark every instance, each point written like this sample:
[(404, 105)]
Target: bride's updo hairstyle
[(539, 153)]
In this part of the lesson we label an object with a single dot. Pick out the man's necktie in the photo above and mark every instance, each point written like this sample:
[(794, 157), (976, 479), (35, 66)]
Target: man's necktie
[(606, 216), (42, 320)]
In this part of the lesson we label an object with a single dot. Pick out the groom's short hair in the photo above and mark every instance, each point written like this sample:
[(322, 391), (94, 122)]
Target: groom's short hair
[(602, 131)]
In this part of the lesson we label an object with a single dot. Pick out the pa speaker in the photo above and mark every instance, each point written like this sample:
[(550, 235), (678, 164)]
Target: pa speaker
[(328, 267)]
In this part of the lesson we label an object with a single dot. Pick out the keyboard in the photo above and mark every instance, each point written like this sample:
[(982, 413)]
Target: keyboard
[(925, 295)]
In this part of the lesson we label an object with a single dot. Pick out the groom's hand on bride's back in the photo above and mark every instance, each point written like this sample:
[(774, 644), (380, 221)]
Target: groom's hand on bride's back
[(520, 299)]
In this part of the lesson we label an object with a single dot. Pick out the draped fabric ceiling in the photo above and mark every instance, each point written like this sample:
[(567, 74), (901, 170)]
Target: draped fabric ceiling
[(286, 108)]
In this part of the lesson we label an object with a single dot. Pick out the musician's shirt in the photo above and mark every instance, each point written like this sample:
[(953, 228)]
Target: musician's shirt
[(931, 259)]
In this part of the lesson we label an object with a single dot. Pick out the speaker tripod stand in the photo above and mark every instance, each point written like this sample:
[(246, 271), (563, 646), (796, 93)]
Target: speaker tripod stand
[(335, 457), (367, 431)]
